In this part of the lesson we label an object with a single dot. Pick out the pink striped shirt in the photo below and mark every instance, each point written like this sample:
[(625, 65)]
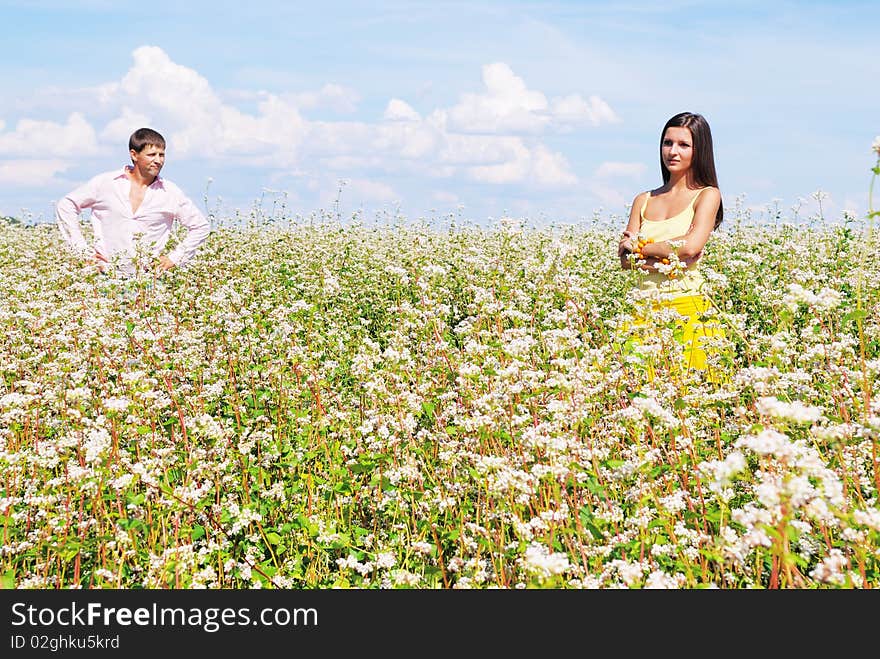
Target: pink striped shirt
[(117, 229)]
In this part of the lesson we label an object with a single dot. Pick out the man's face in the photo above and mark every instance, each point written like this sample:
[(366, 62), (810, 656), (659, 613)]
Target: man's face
[(149, 162)]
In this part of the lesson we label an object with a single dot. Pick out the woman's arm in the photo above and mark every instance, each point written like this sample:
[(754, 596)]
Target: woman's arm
[(627, 242), (697, 234)]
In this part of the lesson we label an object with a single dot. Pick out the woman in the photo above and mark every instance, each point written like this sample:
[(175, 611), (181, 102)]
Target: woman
[(669, 226)]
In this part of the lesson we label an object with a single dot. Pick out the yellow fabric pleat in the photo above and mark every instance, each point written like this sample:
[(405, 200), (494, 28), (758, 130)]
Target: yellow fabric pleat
[(692, 333)]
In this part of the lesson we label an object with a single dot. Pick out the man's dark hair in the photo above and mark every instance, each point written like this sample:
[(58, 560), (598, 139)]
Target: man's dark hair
[(144, 136)]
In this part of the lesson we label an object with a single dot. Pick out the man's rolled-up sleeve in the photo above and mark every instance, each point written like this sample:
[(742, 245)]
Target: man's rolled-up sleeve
[(197, 229), (67, 212)]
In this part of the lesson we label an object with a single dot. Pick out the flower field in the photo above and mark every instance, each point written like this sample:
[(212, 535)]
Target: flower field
[(319, 403)]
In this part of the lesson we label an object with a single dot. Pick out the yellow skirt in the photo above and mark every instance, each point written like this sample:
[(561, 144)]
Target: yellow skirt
[(691, 332)]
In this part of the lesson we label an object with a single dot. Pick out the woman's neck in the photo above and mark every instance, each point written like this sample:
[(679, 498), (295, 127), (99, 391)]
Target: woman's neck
[(679, 182)]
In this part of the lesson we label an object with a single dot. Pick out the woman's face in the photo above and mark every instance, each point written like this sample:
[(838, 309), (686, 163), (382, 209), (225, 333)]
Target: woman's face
[(677, 149)]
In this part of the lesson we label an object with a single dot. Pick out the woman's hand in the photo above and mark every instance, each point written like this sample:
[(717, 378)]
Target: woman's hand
[(625, 246)]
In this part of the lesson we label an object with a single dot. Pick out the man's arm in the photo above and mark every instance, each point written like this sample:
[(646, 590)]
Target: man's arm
[(197, 229), (67, 212)]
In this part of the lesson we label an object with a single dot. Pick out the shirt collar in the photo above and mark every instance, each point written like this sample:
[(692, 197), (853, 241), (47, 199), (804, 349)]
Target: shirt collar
[(158, 183)]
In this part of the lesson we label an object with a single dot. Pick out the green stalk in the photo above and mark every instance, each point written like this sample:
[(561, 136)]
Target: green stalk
[(866, 390)]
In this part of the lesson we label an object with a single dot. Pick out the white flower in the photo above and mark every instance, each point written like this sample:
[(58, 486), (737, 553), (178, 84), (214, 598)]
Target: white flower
[(649, 406), (722, 472), (796, 411), (831, 569), (828, 298), (15, 400), (675, 502), (97, 442), (768, 442), (869, 518), (122, 482), (659, 579), (405, 578), (119, 404), (539, 560), (875, 147)]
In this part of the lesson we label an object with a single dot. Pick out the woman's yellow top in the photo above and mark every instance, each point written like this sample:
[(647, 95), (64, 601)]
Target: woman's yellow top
[(688, 282)]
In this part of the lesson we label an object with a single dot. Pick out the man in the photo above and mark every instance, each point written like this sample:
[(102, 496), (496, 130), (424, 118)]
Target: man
[(132, 205)]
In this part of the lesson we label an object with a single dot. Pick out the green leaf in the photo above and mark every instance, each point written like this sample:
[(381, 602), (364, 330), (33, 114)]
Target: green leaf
[(856, 314), (586, 515), (7, 580), (343, 487), (70, 553), (362, 467)]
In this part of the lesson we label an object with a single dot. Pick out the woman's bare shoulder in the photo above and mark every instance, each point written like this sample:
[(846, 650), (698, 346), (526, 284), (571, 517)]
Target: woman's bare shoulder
[(709, 195), (640, 198)]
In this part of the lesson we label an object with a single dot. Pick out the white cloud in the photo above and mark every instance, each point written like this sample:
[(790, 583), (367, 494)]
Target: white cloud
[(480, 138), (398, 110), (330, 96), (121, 128), (551, 168), (538, 165), (351, 191), (57, 100), (425, 146), (48, 138), (349, 138), (482, 150), (574, 110), (278, 125), (852, 206), (445, 197), (366, 190), (509, 106), (30, 173), (192, 116), (604, 184), (333, 97), (611, 197), (611, 169), (164, 84), (348, 163), (512, 171), (412, 140)]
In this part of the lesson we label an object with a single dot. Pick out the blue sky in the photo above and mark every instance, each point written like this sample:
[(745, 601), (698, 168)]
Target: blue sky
[(543, 111)]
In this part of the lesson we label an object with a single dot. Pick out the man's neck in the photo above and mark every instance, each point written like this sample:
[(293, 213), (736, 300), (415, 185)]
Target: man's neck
[(135, 177)]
